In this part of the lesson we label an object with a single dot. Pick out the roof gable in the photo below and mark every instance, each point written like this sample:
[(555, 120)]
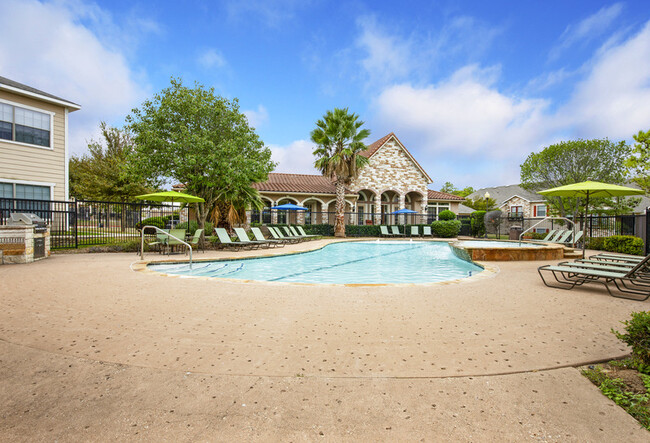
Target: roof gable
[(373, 148)]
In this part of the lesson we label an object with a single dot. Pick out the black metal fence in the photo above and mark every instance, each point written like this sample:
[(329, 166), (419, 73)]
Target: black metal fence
[(79, 223)]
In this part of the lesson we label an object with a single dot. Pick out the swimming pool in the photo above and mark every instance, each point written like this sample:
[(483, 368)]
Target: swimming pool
[(343, 263)]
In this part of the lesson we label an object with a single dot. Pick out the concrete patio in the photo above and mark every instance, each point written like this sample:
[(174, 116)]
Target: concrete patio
[(93, 350)]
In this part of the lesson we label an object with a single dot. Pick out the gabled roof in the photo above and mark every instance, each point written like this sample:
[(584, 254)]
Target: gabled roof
[(501, 194), (437, 195), (374, 147), (19, 88), (301, 183)]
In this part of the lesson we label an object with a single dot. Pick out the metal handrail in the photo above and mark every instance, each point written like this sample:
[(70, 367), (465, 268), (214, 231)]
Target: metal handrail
[(167, 234), (543, 220)]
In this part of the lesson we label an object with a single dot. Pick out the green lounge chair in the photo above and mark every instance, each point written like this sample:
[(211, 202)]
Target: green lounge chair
[(415, 232), (550, 234), (572, 240), (395, 231), (278, 235), (225, 241), (302, 232), (606, 256), (173, 242), (242, 236), (384, 232), (564, 237), (294, 233), (556, 236), (426, 231), (288, 234), (196, 240), (257, 232), (632, 283)]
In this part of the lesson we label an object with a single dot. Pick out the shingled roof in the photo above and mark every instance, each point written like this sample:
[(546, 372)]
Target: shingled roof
[(301, 183), (28, 90), (437, 195)]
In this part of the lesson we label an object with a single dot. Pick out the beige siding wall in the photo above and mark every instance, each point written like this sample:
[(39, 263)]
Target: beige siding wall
[(35, 164)]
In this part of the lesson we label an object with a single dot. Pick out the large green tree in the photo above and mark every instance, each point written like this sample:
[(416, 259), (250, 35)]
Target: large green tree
[(449, 188), (639, 162), (340, 143), (103, 173), (195, 137), (572, 162)]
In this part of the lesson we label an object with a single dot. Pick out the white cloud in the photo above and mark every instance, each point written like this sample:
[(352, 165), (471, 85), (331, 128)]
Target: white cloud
[(51, 50), (296, 158), (272, 12), (463, 115), (257, 118), (211, 58), (614, 99), (587, 29)]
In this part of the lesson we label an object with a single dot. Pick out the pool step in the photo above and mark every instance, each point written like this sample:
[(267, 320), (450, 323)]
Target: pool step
[(572, 253)]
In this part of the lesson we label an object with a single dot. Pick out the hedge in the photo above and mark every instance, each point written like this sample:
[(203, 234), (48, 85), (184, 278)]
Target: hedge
[(445, 228), (624, 244)]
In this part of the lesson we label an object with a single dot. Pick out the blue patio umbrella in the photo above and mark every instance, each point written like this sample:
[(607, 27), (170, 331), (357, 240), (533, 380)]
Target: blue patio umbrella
[(289, 207), (404, 211)]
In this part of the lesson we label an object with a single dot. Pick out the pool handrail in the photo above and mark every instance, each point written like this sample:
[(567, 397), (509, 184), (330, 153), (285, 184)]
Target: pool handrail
[(573, 225), (157, 229)]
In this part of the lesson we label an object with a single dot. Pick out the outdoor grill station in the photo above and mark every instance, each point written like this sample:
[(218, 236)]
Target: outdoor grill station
[(25, 238)]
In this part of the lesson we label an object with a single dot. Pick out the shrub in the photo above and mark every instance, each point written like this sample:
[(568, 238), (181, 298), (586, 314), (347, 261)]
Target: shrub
[(158, 222), (362, 231), (625, 244), (597, 243), (194, 226), (534, 236), (445, 228), (637, 336), (478, 223), (446, 215)]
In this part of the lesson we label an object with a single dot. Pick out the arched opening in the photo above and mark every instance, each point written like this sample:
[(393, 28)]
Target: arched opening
[(365, 207), (331, 214), (287, 217), (389, 203), (415, 202), (315, 209), (263, 216)]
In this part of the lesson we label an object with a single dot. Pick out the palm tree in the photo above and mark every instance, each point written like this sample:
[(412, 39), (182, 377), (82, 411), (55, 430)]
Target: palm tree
[(339, 143)]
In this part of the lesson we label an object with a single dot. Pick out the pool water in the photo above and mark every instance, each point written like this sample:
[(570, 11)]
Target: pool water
[(343, 263)]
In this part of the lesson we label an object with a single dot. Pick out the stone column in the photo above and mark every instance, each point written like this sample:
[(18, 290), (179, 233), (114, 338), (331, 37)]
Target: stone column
[(402, 204), (274, 214), (377, 209)]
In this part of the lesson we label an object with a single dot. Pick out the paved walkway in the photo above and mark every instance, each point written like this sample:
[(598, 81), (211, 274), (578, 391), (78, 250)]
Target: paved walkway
[(90, 349)]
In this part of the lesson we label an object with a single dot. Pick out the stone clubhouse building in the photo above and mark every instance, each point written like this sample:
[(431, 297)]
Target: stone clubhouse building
[(392, 180)]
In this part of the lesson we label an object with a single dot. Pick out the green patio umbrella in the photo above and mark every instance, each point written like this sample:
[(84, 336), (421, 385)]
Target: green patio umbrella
[(171, 196), (589, 189)]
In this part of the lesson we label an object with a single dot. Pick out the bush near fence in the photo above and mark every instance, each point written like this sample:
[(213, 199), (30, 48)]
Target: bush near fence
[(445, 228), (623, 244)]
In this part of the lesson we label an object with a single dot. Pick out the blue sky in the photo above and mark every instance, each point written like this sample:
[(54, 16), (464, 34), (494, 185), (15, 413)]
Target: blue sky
[(470, 88)]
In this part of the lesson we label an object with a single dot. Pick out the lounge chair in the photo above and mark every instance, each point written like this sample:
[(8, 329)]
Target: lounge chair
[(630, 283), (295, 233), (550, 234), (564, 237), (172, 242), (242, 236), (572, 240), (426, 231), (287, 233), (301, 231), (257, 232), (415, 232), (278, 235), (555, 237), (196, 240), (395, 231), (225, 241), (384, 232), (606, 256)]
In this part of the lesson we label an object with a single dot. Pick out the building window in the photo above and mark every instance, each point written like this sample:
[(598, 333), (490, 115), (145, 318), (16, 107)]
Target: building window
[(539, 211), (30, 193), (433, 209), (25, 126)]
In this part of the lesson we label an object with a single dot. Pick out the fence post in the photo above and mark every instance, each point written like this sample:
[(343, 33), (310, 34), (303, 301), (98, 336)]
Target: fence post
[(76, 226), (647, 231)]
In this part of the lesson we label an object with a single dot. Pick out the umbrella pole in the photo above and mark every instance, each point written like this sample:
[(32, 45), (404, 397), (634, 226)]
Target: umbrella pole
[(584, 242)]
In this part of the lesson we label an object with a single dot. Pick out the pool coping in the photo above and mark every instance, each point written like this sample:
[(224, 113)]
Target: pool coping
[(489, 270)]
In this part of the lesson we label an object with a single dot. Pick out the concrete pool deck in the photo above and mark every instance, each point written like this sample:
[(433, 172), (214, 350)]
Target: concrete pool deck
[(91, 350)]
